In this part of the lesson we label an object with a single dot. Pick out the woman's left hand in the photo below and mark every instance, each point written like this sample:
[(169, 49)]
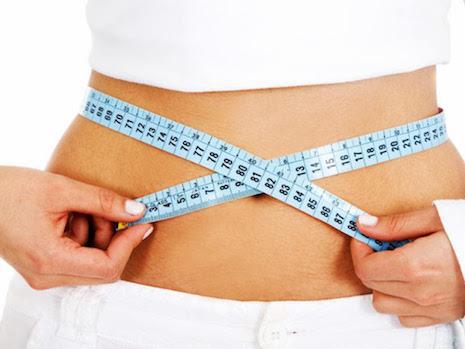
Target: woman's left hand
[(420, 282)]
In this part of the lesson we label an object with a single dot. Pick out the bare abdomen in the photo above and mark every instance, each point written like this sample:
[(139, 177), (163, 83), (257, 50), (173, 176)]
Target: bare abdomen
[(258, 248)]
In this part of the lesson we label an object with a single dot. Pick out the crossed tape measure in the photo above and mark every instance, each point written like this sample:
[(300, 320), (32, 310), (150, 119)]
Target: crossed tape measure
[(240, 174)]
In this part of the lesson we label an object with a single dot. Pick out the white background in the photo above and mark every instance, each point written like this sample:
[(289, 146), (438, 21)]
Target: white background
[(44, 46)]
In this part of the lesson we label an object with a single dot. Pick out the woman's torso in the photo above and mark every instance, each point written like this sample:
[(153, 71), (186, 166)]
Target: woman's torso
[(258, 248)]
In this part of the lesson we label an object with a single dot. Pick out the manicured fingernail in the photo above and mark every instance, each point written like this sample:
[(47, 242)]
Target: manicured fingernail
[(147, 233), (367, 220), (133, 207)]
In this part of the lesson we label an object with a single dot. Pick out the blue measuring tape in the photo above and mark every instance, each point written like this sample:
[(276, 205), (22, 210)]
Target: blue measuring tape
[(240, 174)]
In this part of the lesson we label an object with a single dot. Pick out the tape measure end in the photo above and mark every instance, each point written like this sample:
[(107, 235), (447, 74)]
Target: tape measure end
[(121, 226)]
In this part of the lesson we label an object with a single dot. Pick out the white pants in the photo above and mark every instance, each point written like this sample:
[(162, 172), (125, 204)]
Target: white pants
[(128, 315)]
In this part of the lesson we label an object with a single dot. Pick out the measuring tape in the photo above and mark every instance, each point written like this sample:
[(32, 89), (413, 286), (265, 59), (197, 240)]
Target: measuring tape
[(240, 174)]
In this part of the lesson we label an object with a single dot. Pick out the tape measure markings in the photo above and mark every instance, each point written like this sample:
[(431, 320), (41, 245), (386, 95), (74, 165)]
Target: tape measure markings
[(283, 161), (266, 176)]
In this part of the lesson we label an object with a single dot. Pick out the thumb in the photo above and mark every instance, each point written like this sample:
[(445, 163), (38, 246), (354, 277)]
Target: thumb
[(401, 226), (125, 241), (359, 251), (88, 199)]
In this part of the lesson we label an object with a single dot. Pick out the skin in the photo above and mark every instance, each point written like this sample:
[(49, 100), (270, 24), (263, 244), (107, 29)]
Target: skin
[(258, 248), (422, 282), (48, 249)]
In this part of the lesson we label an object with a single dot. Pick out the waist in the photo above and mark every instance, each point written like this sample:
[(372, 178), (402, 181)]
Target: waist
[(258, 248)]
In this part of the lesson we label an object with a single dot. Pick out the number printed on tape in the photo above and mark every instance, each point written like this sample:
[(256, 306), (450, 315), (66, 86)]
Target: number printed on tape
[(240, 174)]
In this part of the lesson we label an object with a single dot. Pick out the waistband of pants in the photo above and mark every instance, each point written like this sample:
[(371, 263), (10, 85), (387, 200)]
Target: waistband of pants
[(109, 308)]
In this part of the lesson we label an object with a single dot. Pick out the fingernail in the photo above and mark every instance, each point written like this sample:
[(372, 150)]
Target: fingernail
[(133, 207), (367, 220), (147, 233)]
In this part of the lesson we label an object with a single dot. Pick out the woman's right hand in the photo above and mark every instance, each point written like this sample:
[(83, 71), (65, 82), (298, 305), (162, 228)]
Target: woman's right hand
[(45, 247)]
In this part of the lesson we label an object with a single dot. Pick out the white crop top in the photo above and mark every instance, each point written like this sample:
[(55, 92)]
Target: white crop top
[(206, 45)]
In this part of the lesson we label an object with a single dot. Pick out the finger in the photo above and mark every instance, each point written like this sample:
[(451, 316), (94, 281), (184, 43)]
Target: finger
[(417, 321), (384, 265), (388, 304), (79, 228), (103, 232), (359, 252), (401, 226), (402, 289), (124, 242), (42, 282), (72, 259), (89, 199), (423, 294)]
